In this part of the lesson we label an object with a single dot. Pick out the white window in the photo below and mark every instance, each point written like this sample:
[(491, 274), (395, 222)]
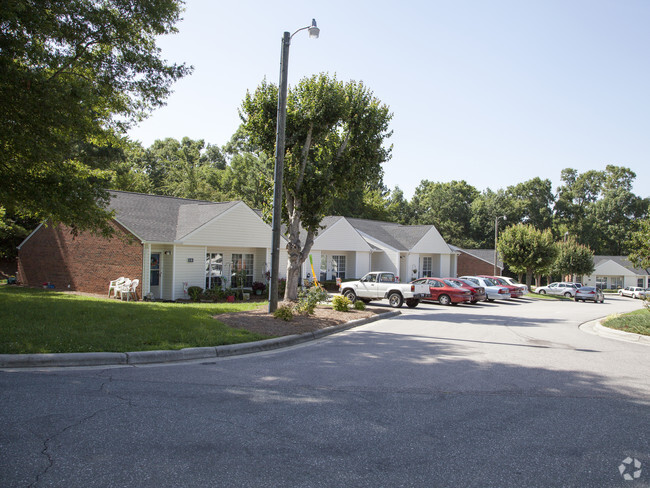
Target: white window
[(338, 267), (617, 282), (427, 266), (242, 270)]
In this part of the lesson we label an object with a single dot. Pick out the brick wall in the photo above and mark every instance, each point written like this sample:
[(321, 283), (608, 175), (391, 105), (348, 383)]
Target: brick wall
[(83, 263), (469, 265)]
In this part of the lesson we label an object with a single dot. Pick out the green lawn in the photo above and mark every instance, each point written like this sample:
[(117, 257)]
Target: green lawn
[(637, 322), (41, 321), (546, 297)]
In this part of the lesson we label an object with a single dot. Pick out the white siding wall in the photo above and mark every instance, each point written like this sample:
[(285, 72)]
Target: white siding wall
[(362, 264), (342, 236), (238, 227), (445, 266), (193, 273), (385, 261), (146, 261)]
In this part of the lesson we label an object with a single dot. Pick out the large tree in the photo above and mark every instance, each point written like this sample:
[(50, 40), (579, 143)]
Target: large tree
[(640, 245), (448, 206), (573, 259), (74, 74), (525, 249), (335, 142)]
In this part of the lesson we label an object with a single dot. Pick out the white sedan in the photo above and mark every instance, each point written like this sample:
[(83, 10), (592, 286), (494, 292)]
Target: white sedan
[(632, 292)]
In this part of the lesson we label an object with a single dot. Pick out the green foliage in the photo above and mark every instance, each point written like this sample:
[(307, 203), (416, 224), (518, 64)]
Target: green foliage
[(195, 293), (640, 245), (448, 206), (284, 312), (335, 145), (307, 300), (73, 76), (573, 258), (359, 305), (527, 250), (637, 322), (45, 321), (340, 303)]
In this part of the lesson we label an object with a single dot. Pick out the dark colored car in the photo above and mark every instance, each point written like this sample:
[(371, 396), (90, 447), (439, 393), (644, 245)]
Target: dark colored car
[(515, 291), (445, 292), (585, 293), (478, 292)]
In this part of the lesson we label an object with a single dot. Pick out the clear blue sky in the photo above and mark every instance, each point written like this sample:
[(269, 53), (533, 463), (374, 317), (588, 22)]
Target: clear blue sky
[(493, 92)]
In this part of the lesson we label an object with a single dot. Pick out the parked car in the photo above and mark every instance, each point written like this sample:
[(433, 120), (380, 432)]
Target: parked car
[(558, 288), (493, 290), (478, 292), (514, 282), (585, 293), (633, 292), (445, 292), (515, 291)]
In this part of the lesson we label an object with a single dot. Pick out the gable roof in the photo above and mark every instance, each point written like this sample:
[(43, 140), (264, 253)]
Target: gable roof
[(486, 255), (398, 236), (621, 261), (158, 218)]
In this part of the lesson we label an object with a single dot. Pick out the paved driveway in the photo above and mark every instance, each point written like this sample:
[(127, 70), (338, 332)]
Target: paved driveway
[(494, 395)]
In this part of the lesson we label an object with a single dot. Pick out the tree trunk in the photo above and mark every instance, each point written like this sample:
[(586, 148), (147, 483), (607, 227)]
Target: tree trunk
[(297, 255), (529, 278)]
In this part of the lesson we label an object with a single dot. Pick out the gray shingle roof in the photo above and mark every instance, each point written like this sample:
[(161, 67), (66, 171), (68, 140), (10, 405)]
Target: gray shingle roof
[(397, 236), (622, 261), (157, 218)]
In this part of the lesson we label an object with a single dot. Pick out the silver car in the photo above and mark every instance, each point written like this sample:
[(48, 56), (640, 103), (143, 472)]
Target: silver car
[(558, 288), (585, 293)]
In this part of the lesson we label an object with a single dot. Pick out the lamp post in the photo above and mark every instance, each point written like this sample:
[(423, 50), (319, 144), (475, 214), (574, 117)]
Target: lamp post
[(496, 234), (279, 162)]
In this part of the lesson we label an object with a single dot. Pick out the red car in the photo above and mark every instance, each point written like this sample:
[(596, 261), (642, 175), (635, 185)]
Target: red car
[(445, 292), (478, 292), (515, 291)]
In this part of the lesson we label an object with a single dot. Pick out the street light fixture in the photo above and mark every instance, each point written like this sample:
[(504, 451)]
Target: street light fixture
[(496, 234), (314, 31)]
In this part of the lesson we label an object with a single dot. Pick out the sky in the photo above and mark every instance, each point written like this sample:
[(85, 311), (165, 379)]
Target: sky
[(493, 92)]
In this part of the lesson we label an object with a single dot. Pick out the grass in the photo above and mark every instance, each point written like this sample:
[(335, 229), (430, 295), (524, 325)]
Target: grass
[(546, 297), (42, 321), (637, 322)]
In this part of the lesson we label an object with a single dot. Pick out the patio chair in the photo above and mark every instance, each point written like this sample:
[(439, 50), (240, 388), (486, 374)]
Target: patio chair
[(115, 285), (122, 288), (130, 291)]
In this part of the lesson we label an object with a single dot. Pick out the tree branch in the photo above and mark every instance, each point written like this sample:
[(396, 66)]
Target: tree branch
[(305, 157)]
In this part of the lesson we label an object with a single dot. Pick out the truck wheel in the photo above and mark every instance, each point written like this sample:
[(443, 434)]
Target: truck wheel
[(395, 300), (412, 302), (350, 295), (444, 300)]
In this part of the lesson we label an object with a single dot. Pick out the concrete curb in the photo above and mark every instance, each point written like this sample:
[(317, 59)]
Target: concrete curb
[(596, 327), (169, 356)]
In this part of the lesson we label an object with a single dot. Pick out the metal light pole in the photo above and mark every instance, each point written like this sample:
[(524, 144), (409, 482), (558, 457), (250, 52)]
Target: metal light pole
[(496, 234), (279, 163)]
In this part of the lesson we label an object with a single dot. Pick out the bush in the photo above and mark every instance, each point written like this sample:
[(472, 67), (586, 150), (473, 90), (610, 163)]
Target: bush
[(258, 285), (340, 303), (359, 305), (195, 293), (307, 300), (284, 312)]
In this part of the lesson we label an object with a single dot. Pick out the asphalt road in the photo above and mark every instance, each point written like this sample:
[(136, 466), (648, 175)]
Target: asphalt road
[(494, 395)]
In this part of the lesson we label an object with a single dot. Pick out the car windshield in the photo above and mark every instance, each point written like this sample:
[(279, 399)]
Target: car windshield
[(490, 282)]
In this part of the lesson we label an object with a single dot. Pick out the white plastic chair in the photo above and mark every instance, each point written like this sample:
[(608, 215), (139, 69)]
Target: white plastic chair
[(123, 288), (115, 285), (130, 290)]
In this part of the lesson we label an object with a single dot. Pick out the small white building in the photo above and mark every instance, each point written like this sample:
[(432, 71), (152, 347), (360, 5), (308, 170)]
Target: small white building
[(349, 248), (614, 272)]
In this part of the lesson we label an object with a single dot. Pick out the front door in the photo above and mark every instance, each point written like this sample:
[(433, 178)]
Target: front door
[(154, 275)]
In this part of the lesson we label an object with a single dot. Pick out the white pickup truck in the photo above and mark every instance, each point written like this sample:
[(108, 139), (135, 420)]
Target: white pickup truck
[(382, 284)]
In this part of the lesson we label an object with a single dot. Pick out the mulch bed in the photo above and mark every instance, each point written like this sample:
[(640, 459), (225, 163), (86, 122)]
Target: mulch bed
[(261, 322)]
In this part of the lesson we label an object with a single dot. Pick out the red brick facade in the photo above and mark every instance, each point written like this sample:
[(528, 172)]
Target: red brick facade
[(83, 263), (469, 265)]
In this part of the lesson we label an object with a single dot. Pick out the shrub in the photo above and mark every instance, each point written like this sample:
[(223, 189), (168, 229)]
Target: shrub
[(258, 285), (340, 303), (195, 293), (307, 300), (284, 312), (359, 305)]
